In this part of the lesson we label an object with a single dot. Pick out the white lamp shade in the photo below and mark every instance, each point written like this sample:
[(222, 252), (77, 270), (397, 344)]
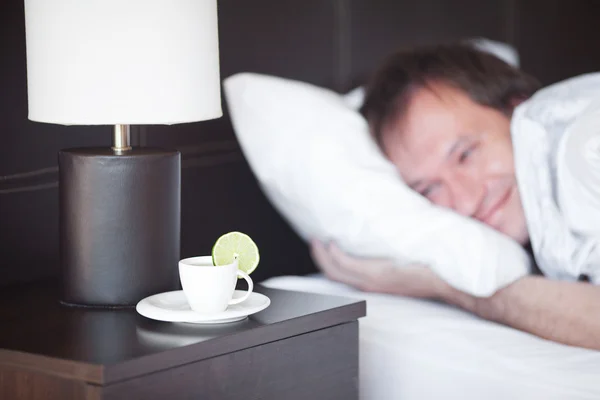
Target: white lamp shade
[(107, 62)]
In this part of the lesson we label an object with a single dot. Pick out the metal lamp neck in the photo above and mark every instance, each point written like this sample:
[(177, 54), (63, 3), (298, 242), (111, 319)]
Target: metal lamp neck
[(121, 139)]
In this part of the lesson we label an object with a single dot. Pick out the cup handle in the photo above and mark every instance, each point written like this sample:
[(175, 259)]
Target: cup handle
[(250, 288)]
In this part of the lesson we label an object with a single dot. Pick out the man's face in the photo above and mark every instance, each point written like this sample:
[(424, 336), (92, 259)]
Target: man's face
[(459, 155)]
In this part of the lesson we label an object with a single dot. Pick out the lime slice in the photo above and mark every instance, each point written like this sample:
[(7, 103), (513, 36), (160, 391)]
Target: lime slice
[(238, 245)]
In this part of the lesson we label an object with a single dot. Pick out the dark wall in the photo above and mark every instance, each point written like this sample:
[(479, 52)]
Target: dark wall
[(373, 34), (558, 38), (333, 43)]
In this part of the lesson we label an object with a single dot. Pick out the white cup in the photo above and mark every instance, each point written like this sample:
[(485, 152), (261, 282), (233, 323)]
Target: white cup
[(209, 289)]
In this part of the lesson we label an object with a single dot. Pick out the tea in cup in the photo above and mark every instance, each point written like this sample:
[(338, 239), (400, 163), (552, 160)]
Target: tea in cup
[(208, 288)]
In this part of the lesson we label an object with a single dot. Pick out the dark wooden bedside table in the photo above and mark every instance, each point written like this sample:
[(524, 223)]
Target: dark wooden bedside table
[(304, 346)]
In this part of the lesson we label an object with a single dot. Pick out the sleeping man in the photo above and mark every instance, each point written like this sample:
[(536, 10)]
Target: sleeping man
[(476, 135)]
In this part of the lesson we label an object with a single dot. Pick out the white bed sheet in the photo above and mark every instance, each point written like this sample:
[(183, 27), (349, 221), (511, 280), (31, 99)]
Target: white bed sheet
[(414, 350)]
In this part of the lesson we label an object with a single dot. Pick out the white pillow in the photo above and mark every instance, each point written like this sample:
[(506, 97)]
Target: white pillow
[(503, 51), (312, 154)]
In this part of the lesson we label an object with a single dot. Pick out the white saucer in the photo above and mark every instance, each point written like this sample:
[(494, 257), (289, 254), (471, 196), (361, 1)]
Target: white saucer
[(173, 307)]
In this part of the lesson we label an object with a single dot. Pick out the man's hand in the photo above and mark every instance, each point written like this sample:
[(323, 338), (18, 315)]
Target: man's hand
[(377, 275)]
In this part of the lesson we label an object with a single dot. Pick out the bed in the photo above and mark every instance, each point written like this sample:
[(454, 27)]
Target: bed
[(410, 349), (415, 349)]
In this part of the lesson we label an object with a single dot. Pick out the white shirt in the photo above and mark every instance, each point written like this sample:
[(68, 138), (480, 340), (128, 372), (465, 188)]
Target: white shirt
[(556, 140)]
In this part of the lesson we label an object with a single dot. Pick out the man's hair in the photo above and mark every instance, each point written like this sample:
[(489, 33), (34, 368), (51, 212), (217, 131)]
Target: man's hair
[(485, 78)]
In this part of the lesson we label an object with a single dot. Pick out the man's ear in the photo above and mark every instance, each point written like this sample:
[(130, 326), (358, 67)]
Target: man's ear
[(516, 100), (514, 103)]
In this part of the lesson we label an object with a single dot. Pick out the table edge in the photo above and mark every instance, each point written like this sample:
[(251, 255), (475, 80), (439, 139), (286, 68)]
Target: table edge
[(106, 374)]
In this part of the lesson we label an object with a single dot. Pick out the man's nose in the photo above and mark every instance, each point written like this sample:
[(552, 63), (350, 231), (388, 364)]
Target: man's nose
[(467, 193)]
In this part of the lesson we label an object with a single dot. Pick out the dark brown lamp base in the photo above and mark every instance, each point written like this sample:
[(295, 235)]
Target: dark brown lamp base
[(119, 224)]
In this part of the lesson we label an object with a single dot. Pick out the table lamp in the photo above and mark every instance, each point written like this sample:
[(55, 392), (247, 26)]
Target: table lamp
[(118, 63)]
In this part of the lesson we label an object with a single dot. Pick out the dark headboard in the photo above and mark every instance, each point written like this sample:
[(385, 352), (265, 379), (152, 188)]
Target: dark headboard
[(332, 43)]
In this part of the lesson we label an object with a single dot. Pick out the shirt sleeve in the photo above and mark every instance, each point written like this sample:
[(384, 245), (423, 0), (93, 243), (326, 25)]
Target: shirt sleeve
[(578, 173)]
